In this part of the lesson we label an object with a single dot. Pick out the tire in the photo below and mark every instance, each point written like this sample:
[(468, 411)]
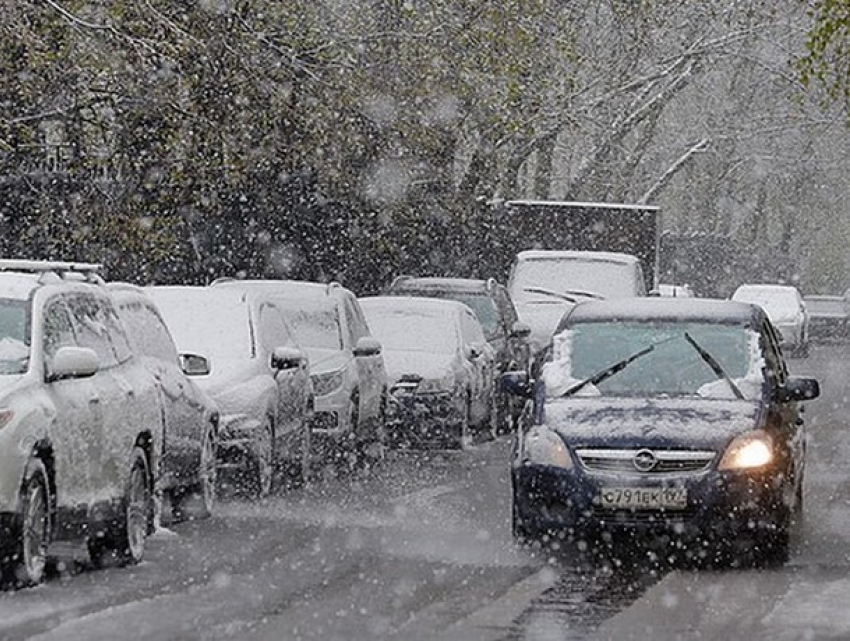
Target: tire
[(29, 560), (198, 500), (126, 538)]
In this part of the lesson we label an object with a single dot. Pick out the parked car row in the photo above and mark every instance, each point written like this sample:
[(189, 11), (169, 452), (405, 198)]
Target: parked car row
[(121, 405)]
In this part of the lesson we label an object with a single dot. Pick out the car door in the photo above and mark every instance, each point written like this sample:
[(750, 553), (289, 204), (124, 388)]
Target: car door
[(183, 410), (77, 425), (120, 391), (293, 383), (785, 417)]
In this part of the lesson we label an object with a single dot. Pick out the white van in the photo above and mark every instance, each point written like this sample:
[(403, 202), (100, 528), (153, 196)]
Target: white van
[(545, 284)]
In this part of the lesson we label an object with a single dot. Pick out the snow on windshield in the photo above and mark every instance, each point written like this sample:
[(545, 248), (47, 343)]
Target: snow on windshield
[(558, 274), (315, 323), (14, 337), (673, 367), (412, 330), (203, 322)]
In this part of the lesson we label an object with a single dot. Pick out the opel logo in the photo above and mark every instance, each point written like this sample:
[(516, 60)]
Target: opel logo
[(644, 461)]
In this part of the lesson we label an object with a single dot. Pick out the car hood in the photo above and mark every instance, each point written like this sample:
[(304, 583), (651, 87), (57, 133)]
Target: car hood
[(426, 365), (661, 423), (543, 318)]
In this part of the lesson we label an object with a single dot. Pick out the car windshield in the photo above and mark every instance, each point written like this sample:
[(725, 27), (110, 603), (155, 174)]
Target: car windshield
[(673, 367), (481, 303), (315, 323), (216, 327), (14, 336), (608, 279), (413, 330)]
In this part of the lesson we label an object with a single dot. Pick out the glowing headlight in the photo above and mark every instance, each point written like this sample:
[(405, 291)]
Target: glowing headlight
[(542, 446), (754, 449), (327, 382)]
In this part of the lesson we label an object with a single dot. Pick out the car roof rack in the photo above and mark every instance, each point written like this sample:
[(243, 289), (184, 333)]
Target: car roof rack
[(59, 269)]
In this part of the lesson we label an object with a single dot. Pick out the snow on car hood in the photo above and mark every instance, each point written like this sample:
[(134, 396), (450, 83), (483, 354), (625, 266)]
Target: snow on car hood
[(427, 365), (627, 422)]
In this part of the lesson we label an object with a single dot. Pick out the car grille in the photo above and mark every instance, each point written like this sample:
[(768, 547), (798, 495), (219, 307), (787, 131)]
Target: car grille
[(645, 461)]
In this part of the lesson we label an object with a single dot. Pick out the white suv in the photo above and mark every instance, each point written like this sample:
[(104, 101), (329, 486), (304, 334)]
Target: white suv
[(78, 421), (347, 368)]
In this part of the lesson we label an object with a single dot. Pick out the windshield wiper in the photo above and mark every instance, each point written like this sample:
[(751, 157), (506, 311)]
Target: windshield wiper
[(609, 371), (715, 366), (568, 295)]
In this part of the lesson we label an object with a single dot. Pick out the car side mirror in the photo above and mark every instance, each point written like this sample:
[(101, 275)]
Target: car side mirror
[(520, 330), (472, 351), (194, 364), (798, 389), (287, 358), (517, 383), (367, 346), (73, 362)]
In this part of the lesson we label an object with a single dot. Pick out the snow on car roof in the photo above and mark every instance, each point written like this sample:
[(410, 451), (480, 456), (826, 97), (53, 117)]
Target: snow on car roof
[(296, 288), (571, 254), (677, 309), (416, 305), (440, 282), (17, 285)]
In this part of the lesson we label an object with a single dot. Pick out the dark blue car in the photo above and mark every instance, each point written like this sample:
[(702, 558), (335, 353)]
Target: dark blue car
[(662, 415)]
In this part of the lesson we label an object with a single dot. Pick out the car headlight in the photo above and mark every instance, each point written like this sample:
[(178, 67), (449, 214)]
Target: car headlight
[(445, 383), (748, 451), (327, 382), (542, 446)]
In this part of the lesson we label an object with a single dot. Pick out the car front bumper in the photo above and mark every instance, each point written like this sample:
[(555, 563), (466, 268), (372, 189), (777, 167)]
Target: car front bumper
[(566, 503), (425, 419)]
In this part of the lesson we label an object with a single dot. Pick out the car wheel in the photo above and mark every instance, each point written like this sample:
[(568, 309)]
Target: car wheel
[(29, 560), (126, 539), (197, 501)]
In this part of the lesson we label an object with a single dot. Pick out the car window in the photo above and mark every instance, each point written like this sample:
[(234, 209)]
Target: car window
[(58, 328), (97, 327), (148, 330), (470, 328), (273, 331), (14, 336), (315, 323), (774, 362)]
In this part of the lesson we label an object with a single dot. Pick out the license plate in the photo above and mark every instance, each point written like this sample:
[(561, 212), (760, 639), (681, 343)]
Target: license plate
[(644, 498)]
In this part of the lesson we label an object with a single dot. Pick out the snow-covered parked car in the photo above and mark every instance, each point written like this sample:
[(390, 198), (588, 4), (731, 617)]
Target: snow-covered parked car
[(507, 335), (440, 370), (79, 421), (240, 351), (787, 311), (347, 368), (670, 417), (186, 477)]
